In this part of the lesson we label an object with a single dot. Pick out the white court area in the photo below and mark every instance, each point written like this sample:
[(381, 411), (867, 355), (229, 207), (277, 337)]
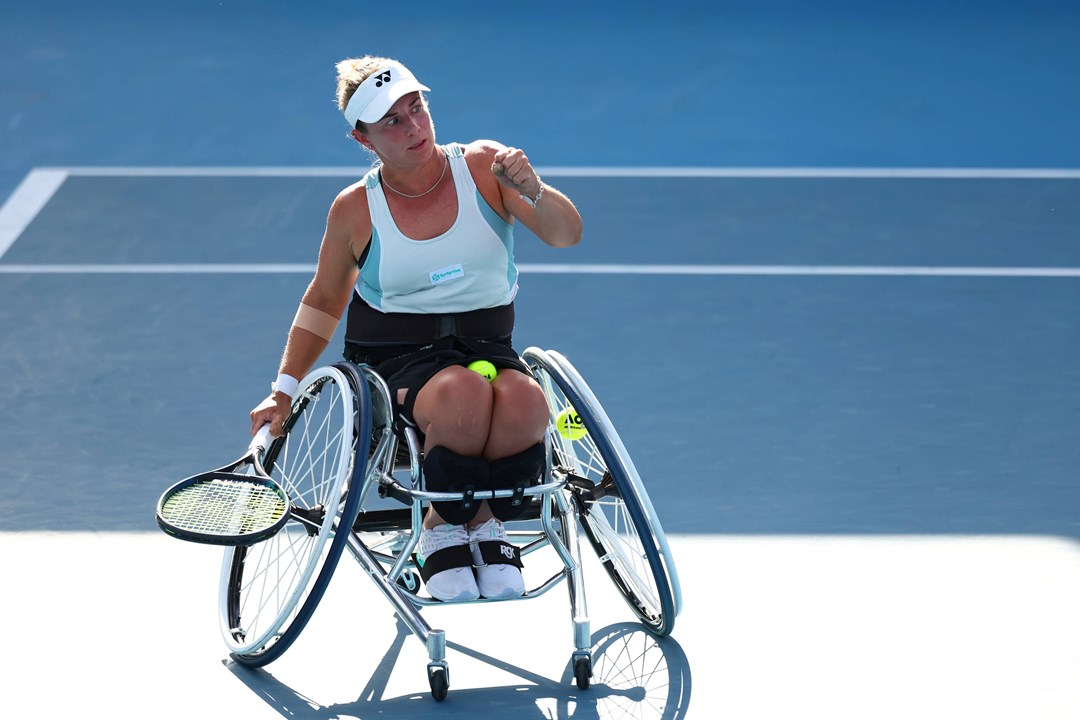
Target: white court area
[(125, 626)]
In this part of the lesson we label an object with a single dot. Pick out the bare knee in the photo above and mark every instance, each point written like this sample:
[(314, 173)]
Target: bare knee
[(519, 415), (454, 409)]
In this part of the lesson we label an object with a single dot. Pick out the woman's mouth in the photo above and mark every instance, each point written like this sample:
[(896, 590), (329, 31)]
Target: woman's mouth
[(418, 145)]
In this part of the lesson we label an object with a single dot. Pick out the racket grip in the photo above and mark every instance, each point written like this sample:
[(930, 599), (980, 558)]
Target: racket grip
[(262, 439)]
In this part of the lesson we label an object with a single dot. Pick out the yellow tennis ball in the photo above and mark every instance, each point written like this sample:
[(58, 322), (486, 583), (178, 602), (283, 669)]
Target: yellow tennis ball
[(569, 424), (485, 368)]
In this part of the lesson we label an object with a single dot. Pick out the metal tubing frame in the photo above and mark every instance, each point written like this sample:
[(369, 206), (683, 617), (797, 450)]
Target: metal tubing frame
[(564, 540)]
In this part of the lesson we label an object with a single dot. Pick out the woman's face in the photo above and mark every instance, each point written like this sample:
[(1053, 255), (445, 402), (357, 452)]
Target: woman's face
[(406, 133)]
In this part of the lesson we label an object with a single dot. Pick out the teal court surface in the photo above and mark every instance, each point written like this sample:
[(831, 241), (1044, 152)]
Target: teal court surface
[(828, 293)]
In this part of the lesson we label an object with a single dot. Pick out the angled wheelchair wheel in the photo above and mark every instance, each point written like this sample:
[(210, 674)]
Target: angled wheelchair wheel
[(616, 513), (269, 590)]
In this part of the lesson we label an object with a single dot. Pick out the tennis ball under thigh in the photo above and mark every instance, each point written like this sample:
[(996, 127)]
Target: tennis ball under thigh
[(484, 368)]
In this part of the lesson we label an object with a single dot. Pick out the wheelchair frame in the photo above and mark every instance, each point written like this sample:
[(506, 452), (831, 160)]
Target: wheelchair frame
[(590, 490)]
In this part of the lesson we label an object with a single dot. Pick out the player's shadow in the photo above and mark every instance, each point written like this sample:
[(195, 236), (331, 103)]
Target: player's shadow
[(634, 675)]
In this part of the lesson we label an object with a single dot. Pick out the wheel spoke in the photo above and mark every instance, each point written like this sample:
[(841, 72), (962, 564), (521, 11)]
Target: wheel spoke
[(617, 518), (269, 590)]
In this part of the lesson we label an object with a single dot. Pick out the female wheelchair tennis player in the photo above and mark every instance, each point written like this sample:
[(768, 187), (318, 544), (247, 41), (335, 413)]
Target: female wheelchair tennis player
[(420, 251)]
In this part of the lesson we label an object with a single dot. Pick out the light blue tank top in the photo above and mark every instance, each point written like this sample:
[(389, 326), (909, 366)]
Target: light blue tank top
[(469, 267)]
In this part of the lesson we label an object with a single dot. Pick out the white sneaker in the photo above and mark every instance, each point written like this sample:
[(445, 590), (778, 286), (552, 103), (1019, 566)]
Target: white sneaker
[(445, 562), (496, 561)]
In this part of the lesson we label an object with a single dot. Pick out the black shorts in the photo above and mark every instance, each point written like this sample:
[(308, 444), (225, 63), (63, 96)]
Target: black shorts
[(410, 366)]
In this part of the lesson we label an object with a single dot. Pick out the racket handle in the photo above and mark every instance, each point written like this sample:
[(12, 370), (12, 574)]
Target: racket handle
[(262, 439)]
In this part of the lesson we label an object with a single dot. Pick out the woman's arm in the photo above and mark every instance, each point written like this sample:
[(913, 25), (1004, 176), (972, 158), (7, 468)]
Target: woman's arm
[(348, 230), (554, 219)]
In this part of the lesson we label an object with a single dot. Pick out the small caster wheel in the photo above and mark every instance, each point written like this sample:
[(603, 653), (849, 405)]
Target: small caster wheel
[(439, 681), (410, 581), (582, 671)]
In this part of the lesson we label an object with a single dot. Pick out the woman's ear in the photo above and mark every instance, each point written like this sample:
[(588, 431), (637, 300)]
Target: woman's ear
[(362, 139)]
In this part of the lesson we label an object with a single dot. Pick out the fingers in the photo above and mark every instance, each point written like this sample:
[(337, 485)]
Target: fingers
[(512, 168), (511, 165), (270, 411), (268, 417), (260, 418)]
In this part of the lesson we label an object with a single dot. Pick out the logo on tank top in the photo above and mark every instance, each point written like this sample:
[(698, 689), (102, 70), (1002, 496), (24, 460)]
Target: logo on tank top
[(447, 274)]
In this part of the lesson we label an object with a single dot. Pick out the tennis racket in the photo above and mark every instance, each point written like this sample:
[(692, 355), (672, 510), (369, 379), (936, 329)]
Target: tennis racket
[(237, 504)]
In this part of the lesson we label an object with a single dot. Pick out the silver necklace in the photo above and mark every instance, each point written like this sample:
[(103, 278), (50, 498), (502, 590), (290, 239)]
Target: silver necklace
[(413, 197)]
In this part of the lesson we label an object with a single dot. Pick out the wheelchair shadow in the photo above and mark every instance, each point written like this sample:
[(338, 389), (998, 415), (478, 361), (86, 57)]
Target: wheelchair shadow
[(634, 675)]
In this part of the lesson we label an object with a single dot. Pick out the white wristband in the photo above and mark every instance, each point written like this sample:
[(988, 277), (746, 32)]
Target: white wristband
[(285, 384)]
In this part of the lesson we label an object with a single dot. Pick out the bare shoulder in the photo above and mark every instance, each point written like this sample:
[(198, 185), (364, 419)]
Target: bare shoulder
[(351, 199), (479, 154), (349, 219), (483, 148)]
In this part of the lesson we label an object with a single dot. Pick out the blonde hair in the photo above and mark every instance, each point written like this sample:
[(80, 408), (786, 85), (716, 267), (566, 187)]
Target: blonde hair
[(353, 71)]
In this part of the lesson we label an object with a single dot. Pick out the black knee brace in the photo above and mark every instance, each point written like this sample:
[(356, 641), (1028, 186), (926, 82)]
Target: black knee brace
[(517, 471), (447, 471)]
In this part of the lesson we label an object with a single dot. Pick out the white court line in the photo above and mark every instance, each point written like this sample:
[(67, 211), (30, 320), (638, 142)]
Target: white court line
[(41, 184), (853, 270), (818, 173), (159, 269), (26, 202), (575, 269), (624, 172)]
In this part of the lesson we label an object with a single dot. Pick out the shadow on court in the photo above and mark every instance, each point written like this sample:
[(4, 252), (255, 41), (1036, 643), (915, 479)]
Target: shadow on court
[(641, 676)]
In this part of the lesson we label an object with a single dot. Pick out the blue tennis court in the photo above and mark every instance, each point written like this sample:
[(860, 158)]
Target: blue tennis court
[(831, 307)]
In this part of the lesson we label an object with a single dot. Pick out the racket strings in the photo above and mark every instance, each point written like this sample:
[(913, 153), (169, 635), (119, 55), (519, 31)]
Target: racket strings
[(224, 507)]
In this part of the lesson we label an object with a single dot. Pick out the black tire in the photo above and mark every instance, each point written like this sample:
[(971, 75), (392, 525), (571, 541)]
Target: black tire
[(582, 671), (438, 681)]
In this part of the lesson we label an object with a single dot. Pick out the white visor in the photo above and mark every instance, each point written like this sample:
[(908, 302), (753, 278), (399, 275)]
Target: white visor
[(375, 96)]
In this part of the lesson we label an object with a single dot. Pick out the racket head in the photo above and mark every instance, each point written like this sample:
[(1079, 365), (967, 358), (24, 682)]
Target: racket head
[(223, 508)]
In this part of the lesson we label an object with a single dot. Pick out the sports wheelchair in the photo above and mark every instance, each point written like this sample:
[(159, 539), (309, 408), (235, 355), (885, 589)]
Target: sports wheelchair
[(356, 485)]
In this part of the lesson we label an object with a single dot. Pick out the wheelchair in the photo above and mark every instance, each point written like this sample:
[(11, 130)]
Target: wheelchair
[(357, 486)]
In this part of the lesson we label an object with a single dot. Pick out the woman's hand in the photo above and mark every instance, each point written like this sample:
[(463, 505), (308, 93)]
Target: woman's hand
[(541, 208), (512, 168), (275, 410)]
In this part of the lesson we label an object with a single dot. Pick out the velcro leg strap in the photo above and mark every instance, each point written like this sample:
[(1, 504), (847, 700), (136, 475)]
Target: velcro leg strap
[(448, 558), (518, 472), (497, 552), (447, 471)]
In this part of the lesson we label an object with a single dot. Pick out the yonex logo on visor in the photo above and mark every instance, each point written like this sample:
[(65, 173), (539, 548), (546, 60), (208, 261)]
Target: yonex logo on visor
[(377, 94)]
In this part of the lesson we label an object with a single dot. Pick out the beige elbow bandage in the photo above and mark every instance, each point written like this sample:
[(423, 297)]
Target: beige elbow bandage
[(315, 321)]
